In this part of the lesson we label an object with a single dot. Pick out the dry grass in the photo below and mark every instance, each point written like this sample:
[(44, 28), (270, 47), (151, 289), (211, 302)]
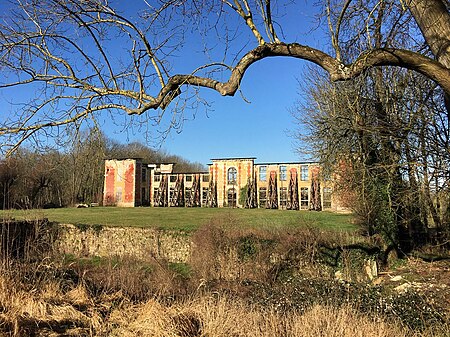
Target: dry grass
[(224, 317), (43, 312), (220, 297), (54, 307)]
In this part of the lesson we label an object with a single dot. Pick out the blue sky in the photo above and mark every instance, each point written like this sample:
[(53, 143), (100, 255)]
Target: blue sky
[(262, 128), (233, 127)]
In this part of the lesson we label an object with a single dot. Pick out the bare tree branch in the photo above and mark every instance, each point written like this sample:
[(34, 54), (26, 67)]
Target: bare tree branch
[(337, 70), (82, 58), (247, 16)]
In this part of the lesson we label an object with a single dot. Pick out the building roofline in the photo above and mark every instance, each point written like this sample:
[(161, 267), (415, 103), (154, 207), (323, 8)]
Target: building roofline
[(141, 159), (289, 163), (217, 159), (234, 158)]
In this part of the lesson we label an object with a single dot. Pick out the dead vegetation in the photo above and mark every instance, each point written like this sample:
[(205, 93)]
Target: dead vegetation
[(238, 283)]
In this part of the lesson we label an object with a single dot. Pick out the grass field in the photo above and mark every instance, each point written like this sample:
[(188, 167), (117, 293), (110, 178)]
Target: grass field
[(187, 218)]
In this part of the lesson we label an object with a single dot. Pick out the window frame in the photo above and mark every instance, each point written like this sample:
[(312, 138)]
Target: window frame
[(262, 173), (283, 172), (304, 203), (232, 173), (262, 201), (304, 173), (327, 202), (283, 196), (205, 191), (232, 202)]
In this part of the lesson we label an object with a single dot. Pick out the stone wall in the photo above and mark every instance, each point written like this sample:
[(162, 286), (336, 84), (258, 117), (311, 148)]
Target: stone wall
[(84, 240), (31, 240)]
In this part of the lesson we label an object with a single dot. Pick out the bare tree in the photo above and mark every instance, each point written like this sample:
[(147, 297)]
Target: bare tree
[(84, 57), (8, 176), (83, 168), (389, 157), (74, 175)]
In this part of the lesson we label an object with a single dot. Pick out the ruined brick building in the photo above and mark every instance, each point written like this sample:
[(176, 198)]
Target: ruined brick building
[(229, 182)]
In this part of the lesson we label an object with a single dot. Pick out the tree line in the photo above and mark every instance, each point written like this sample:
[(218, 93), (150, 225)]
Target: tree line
[(72, 175)]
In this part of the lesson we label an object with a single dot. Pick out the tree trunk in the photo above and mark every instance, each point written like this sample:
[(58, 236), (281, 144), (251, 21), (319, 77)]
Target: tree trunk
[(433, 19)]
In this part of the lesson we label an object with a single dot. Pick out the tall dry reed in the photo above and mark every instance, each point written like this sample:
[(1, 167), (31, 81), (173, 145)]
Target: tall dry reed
[(225, 317)]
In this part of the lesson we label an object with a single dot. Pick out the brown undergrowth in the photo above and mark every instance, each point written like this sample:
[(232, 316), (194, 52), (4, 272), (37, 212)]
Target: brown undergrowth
[(238, 283), (225, 251)]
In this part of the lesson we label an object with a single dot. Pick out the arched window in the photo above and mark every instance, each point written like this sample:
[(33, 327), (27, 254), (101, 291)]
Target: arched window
[(232, 175)]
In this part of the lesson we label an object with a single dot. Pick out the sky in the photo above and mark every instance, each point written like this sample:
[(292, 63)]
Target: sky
[(232, 127), (262, 127)]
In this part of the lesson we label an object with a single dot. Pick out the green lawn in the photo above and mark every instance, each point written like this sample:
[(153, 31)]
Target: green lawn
[(187, 218)]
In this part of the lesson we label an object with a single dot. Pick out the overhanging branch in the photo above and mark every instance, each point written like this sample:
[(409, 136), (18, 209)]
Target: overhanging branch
[(337, 70)]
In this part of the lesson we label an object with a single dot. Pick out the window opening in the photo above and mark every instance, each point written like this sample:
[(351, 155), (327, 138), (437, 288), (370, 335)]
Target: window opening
[(283, 173), (171, 193), (326, 197), (304, 173), (143, 195), (262, 173), (232, 202), (232, 175), (188, 196), (262, 197), (204, 196), (283, 197), (304, 198), (119, 194)]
